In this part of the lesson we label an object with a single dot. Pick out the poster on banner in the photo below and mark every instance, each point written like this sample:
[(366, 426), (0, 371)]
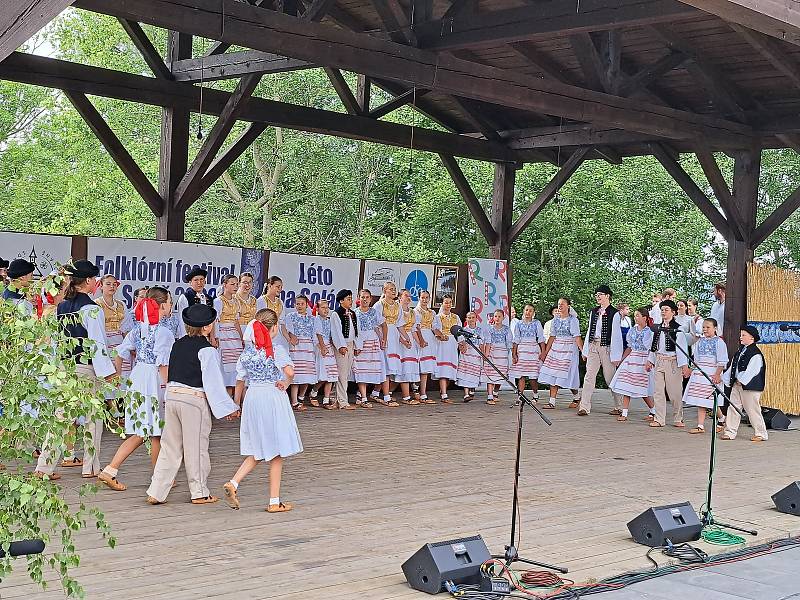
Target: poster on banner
[(138, 263), (313, 276), (488, 288), (44, 251), (415, 277)]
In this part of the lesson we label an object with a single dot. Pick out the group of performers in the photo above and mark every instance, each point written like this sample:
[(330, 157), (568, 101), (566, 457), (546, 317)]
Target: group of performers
[(242, 356)]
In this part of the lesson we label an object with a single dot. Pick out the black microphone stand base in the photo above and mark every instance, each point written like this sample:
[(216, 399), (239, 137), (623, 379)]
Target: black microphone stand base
[(707, 519), (512, 556)]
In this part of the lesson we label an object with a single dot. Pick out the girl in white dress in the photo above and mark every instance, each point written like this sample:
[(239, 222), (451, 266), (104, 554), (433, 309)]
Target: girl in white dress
[(300, 328), (369, 364), (497, 344), (247, 302), (427, 345), (327, 370), (152, 343), (227, 329), (711, 355), (408, 329), (529, 343), (268, 430), (389, 308), (446, 347), (632, 379), (272, 300), (470, 363), (562, 353), (119, 320)]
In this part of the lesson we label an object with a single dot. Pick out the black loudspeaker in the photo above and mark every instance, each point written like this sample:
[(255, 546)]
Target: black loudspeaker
[(788, 499), (458, 561), (677, 523), (775, 419)]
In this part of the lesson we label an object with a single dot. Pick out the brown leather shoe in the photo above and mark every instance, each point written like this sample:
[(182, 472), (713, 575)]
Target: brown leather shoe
[(655, 424), (231, 495), (153, 501), (72, 462), (51, 477), (757, 438), (615, 412), (282, 507), (206, 500), (574, 404), (111, 482), (583, 413)]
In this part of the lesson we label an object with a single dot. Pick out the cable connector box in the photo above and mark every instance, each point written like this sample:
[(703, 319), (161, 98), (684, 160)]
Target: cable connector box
[(495, 585)]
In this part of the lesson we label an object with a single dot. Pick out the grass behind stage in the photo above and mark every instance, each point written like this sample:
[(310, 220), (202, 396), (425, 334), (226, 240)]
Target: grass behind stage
[(373, 486)]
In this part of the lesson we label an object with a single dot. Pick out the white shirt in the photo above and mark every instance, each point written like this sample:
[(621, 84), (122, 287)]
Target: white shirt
[(718, 313), (662, 348), (337, 337), (615, 350), (655, 314), (95, 324), (220, 403), (744, 377)]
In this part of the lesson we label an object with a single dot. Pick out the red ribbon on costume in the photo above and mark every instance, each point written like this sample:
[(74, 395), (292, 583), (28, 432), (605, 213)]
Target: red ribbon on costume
[(39, 306), (152, 311), (262, 337)]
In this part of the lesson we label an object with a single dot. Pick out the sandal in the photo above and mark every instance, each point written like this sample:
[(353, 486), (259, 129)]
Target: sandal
[(491, 401), (90, 475), (231, 495), (467, 398), (574, 404), (111, 482), (622, 419), (314, 402), (549, 406), (697, 430), (446, 399), (72, 462), (650, 418), (51, 477), (205, 500), (298, 407), (280, 507), (681, 424), (364, 404), (153, 501), (655, 424)]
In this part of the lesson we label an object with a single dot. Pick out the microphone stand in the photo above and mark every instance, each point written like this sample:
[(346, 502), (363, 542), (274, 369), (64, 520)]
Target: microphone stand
[(707, 516), (512, 554)]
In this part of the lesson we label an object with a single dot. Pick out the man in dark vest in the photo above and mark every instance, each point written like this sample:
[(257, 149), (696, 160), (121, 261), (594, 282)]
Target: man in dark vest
[(194, 294), (344, 331), (20, 274), (602, 348), (668, 359), (746, 376)]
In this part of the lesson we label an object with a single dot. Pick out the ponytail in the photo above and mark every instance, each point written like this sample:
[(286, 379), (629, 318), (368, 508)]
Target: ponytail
[(72, 287)]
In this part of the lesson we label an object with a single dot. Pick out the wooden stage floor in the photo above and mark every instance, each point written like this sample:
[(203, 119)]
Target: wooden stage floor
[(373, 486)]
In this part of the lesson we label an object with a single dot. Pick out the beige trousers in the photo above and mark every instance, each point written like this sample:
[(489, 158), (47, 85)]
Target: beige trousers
[(185, 437), (598, 356), (345, 366), (669, 380), (49, 457), (750, 402)]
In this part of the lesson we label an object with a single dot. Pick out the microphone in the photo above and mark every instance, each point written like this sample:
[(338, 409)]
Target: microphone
[(787, 327), (457, 330), (24, 547)]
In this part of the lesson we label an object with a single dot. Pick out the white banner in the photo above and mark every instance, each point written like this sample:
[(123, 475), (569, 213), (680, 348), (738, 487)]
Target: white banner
[(415, 277), (313, 276), (488, 288), (44, 251), (137, 263)]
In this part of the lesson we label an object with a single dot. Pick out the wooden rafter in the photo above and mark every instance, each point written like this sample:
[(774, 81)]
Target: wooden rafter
[(234, 64), (777, 18), (722, 192), (775, 219), (343, 90), (146, 49), (460, 7), (21, 20), (395, 21), (227, 158), (771, 50), (396, 102), (471, 200)]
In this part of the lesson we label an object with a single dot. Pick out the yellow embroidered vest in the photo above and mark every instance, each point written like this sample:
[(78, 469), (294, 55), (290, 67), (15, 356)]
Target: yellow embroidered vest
[(391, 313), (247, 309), (448, 321), (409, 320), (426, 318), (230, 310), (275, 305), (113, 316)]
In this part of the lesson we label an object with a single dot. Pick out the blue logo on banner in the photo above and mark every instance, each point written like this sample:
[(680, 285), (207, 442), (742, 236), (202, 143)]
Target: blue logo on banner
[(416, 283)]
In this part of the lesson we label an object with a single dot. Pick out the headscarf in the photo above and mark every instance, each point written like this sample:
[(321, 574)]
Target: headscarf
[(258, 335), (146, 312)]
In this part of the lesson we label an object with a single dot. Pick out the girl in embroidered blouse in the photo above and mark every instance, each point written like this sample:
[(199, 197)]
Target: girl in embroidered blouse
[(369, 364), (446, 347), (227, 329), (151, 342), (247, 302), (268, 430), (470, 363), (632, 379), (408, 329), (529, 343), (327, 369), (272, 300), (561, 355), (389, 308), (711, 355), (300, 328), (497, 343), (427, 345)]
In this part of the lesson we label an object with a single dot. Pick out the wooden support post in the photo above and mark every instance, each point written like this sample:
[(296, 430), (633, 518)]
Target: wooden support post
[(363, 92), (505, 175), (174, 158), (747, 168)]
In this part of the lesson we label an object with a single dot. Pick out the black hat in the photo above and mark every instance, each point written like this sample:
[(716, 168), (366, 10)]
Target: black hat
[(603, 289), (343, 294), (194, 273), (82, 269), (3, 263), (752, 330), (20, 267), (669, 303), (199, 315)]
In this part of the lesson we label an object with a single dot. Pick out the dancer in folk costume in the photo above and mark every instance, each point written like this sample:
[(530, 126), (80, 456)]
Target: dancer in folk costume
[(299, 326), (497, 344), (344, 332), (711, 354), (470, 363), (529, 343), (194, 294), (195, 391), (228, 330), (668, 359), (327, 366), (152, 344), (271, 299), (747, 377), (624, 322), (20, 274), (446, 347), (389, 308), (369, 364), (268, 430), (247, 302), (408, 329), (561, 355), (632, 379), (119, 320), (90, 325), (427, 345)]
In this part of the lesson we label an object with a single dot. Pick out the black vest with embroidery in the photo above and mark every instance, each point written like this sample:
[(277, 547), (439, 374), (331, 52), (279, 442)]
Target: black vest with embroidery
[(669, 341), (192, 297), (184, 362), (73, 325), (607, 321), (344, 319), (739, 363)]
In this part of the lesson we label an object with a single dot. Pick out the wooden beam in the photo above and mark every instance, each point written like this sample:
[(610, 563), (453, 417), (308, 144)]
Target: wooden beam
[(777, 18), (721, 191), (543, 62), (343, 91), (20, 20), (611, 55), (547, 20), (551, 189), (227, 158), (318, 10), (395, 21), (650, 73), (50, 72), (473, 114), (146, 49), (363, 93), (775, 219), (421, 11), (460, 7), (589, 59), (505, 176), (772, 51), (186, 193), (691, 189), (570, 135), (315, 42), (117, 151), (396, 102), (467, 193), (234, 64)]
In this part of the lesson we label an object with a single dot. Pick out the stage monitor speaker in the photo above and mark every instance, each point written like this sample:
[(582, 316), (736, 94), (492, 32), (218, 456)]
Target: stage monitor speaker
[(775, 419), (458, 561), (788, 499), (677, 523)]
